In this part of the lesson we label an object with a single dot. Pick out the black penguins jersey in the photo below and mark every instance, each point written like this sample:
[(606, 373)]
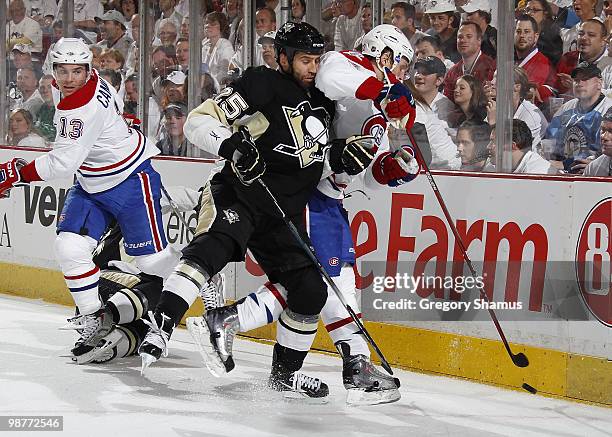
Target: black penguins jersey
[(290, 126)]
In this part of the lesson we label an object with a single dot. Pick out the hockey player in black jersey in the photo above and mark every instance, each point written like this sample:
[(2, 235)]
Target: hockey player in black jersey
[(286, 146)]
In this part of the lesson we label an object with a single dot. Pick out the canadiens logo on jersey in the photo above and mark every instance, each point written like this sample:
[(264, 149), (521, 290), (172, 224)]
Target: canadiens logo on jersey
[(308, 128)]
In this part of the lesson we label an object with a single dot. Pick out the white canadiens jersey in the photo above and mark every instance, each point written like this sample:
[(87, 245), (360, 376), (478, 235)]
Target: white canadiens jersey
[(340, 75), (93, 140)]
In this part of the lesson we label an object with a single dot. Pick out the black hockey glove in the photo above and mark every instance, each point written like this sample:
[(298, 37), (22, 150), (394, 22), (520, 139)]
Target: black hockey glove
[(243, 155), (352, 155)]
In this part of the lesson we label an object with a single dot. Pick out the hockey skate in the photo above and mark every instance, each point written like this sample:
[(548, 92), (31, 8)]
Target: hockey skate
[(116, 344), (366, 385), (92, 328), (297, 385), (155, 343), (213, 293), (214, 334)]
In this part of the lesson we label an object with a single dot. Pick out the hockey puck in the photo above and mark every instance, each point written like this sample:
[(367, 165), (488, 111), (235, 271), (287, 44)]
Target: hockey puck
[(529, 388)]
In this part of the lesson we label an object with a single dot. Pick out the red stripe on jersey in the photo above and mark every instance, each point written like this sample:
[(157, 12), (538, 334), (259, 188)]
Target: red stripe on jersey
[(82, 96), (277, 294), (369, 89), (357, 58), (84, 275), (117, 164), (29, 173), (146, 186), (340, 323)]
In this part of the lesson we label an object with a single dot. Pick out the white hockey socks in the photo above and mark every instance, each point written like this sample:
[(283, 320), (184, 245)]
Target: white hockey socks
[(262, 307)]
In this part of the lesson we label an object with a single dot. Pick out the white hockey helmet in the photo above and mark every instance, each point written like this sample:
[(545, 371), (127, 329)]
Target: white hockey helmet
[(70, 51), (386, 35)]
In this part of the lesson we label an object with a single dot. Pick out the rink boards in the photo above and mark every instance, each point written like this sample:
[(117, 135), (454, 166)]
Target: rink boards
[(549, 223)]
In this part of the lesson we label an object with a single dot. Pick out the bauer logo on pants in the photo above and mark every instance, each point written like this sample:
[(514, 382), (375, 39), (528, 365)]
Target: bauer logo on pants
[(593, 255)]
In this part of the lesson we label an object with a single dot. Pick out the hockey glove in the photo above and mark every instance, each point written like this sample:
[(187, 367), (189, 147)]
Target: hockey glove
[(245, 160), (352, 155), (400, 106), (396, 168), (9, 175)]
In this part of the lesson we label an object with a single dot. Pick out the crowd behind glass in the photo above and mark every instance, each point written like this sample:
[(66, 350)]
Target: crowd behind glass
[(562, 74)]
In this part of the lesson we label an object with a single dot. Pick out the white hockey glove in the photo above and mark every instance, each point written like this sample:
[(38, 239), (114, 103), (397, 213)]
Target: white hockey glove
[(352, 155)]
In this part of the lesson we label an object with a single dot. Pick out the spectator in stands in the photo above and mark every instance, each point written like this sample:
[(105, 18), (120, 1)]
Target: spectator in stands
[(430, 46), (523, 108), (366, 24), (128, 8), (585, 10), (167, 33), (27, 84), (470, 99), (265, 21), (174, 143), (21, 132), (112, 59), (233, 10), (298, 10), (403, 16), (602, 166), (163, 61), (182, 53), (131, 62), (473, 62), (549, 41), (575, 127), (96, 53), (22, 29), (21, 57), (44, 116), (86, 12), (40, 10), (528, 56), (267, 50), (441, 15), (479, 12), (173, 89), (592, 48), (524, 160), (348, 25), (428, 78), (217, 51), (168, 10), (131, 95), (472, 140), (116, 36), (113, 77), (606, 14)]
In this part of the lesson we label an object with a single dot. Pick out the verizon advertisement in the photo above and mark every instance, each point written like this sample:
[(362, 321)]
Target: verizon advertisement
[(541, 250)]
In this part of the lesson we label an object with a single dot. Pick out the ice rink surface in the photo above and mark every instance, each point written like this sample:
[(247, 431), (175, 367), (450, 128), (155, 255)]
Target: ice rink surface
[(178, 397)]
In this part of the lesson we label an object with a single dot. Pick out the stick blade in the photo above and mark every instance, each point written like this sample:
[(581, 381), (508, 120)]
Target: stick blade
[(520, 360)]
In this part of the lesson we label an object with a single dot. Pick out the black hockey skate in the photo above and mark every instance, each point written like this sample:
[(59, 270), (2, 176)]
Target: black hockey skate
[(214, 334), (286, 378), (297, 385), (366, 385), (92, 329), (155, 343)]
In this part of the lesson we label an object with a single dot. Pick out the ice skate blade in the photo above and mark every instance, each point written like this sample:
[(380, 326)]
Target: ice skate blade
[(291, 396), (147, 360), (360, 397), (198, 328)]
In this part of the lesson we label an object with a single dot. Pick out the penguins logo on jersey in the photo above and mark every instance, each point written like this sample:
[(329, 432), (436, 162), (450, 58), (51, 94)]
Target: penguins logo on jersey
[(308, 128)]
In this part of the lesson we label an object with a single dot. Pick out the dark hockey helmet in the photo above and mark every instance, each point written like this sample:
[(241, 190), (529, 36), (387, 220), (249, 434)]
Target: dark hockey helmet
[(298, 37)]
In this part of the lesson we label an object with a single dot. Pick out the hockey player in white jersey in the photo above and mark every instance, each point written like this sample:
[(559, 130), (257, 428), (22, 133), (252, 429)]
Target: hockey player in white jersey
[(114, 180), (359, 84)]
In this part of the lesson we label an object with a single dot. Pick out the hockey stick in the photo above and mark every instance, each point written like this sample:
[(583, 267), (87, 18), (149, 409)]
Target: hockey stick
[(175, 209), (327, 278), (520, 359)]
